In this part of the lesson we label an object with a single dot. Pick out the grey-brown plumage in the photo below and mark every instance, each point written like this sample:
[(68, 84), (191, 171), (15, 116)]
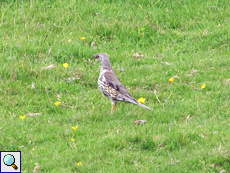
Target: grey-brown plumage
[(110, 85)]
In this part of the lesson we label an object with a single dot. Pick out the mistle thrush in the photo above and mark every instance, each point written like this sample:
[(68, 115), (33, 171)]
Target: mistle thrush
[(110, 85)]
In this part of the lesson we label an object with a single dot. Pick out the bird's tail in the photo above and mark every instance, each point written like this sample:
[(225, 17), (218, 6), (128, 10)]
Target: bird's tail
[(134, 101), (143, 106)]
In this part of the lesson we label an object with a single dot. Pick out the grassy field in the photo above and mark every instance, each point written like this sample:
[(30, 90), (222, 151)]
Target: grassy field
[(189, 127)]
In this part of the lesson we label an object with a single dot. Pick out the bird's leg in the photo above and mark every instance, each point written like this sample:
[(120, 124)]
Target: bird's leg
[(115, 106), (112, 109)]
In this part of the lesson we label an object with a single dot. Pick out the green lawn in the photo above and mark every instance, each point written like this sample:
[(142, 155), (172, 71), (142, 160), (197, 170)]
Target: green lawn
[(189, 127)]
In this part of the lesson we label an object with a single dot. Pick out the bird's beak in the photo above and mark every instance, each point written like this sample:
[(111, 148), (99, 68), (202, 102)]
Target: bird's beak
[(95, 56)]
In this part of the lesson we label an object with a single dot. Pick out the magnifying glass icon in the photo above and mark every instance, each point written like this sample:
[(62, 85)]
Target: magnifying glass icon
[(9, 160)]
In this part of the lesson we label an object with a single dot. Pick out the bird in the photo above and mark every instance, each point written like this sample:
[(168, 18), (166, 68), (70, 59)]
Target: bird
[(110, 85)]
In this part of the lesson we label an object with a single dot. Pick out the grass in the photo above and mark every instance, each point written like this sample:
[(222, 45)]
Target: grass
[(188, 131)]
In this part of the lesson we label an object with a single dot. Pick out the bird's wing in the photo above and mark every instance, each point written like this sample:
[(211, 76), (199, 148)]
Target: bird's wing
[(114, 82)]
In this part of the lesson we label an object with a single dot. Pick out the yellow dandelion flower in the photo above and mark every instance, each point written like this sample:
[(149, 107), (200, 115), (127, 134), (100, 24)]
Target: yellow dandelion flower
[(83, 38), (141, 100), (72, 139), (65, 65), (69, 40), (57, 103), (79, 163), (203, 86), (75, 127), (171, 79), (23, 117)]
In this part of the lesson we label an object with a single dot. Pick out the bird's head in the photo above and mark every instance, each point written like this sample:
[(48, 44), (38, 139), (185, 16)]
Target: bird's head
[(104, 60)]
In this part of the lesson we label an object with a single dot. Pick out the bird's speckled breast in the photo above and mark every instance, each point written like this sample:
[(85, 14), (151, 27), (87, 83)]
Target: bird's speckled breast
[(107, 90)]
